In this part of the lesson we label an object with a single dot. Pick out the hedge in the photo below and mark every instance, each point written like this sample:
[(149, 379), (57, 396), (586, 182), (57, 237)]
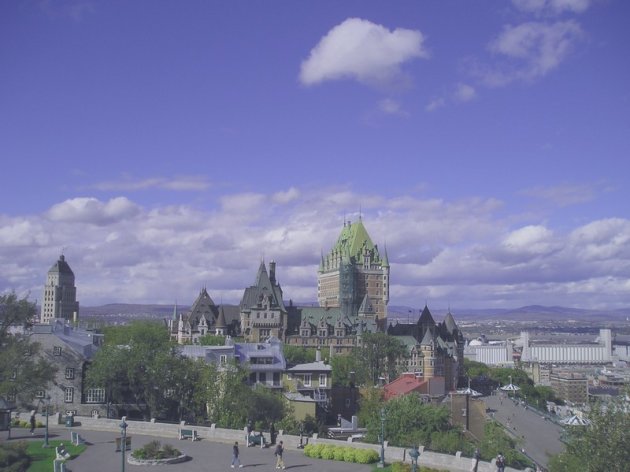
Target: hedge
[(346, 454)]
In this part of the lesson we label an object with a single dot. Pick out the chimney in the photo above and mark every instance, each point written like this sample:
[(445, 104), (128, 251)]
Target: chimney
[(272, 272)]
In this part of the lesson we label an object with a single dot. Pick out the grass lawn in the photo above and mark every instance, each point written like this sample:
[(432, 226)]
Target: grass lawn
[(43, 457)]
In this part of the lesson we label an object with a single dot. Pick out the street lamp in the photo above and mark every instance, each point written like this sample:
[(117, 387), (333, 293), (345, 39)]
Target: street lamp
[(47, 398), (381, 463), (123, 443)]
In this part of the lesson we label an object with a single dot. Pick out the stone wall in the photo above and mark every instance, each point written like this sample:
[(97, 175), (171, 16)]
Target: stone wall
[(211, 433)]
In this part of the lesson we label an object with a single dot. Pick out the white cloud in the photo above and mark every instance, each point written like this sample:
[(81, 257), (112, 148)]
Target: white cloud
[(464, 93), (361, 50), (286, 197), (552, 7), (565, 194), (435, 104), (461, 252), (93, 211), (532, 50), (184, 183), (391, 107)]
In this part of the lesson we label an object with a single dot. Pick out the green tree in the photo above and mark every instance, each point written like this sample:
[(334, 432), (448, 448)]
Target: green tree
[(377, 356), (140, 365), (212, 340), (22, 371), (298, 354), (409, 421), (346, 370), (601, 446)]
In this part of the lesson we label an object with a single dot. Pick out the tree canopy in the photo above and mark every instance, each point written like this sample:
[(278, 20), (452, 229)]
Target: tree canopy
[(601, 446), (22, 371)]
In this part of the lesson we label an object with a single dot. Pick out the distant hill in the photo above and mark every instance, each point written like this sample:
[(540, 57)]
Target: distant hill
[(525, 313), (126, 311)]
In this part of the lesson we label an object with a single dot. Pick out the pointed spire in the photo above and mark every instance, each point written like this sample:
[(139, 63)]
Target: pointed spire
[(175, 311), (385, 257), (449, 322), (221, 323)]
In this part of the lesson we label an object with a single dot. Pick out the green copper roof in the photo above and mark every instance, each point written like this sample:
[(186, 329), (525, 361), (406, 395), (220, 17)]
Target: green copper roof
[(353, 239)]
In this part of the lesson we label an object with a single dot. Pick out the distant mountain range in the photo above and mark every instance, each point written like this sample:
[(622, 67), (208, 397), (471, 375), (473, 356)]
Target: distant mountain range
[(400, 312)]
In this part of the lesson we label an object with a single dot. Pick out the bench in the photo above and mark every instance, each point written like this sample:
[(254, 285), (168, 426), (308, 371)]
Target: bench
[(188, 434), (59, 466), (61, 454), (76, 438), (257, 440), (127, 444)]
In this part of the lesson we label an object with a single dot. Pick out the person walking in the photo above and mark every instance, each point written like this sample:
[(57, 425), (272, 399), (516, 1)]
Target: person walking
[(235, 459), (500, 462), (272, 433), (278, 453), (32, 421), (475, 460)]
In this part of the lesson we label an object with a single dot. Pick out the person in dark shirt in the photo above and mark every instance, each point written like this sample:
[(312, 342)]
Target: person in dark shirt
[(235, 459)]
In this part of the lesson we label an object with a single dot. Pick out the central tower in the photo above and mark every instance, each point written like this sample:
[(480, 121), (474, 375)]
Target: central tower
[(354, 276)]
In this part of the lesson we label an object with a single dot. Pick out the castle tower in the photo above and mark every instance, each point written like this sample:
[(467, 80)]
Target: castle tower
[(353, 270), (60, 294)]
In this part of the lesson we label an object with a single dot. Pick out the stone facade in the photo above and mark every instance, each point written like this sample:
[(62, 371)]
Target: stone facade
[(434, 350), (262, 311), (203, 318), (69, 350), (60, 293), (352, 272)]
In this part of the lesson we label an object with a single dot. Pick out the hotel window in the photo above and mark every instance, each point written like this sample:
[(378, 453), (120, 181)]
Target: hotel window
[(69, 395), (322, 380), (94, 395), (56, 351), (69, 373)]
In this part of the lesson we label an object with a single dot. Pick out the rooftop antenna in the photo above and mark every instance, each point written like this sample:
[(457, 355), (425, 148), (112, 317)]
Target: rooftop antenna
[(360, 212)]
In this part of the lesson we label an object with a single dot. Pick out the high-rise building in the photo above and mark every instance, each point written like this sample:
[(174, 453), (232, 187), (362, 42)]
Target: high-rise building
[(354, 274), (60, 293)]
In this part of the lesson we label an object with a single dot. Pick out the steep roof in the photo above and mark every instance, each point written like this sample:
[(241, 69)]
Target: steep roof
[(61, 266), (366, 307), (221, 319), (262, 289), (449, 322), (353, 239), (427, 339), (425, 317)]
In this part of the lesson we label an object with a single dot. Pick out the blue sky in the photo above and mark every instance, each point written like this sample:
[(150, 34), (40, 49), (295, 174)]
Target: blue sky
[(171, 145)]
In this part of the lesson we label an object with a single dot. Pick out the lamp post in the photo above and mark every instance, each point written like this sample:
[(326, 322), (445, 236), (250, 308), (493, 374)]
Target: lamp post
[(123, 442), (47, 398), (381, 463)]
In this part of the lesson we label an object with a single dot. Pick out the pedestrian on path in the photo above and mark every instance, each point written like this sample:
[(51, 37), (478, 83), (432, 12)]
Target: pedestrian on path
[(235, 459), (278, 453), (475, 460), (32, 420), (500, 463)]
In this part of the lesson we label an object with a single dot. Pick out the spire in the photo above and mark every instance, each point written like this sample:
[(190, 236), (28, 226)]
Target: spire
[(449, 322), (385, 257), (221, 319), (175, 311)]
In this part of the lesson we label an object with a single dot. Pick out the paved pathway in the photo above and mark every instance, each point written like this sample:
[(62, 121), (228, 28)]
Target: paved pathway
[(539, 437), (100, 456)]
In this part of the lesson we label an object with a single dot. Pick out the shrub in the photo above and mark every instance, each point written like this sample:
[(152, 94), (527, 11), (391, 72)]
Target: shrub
[(348, 454), (366, 456), (401, 467), (155, 450), (13, 457), (308, 450), (328, 452), (317, 451), (338, 453)]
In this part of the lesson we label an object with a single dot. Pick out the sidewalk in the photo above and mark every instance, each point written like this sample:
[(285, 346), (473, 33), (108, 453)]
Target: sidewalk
[(100, 456)]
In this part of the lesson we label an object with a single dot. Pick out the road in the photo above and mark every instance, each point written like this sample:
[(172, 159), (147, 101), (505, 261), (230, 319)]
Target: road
[(539, 437)]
